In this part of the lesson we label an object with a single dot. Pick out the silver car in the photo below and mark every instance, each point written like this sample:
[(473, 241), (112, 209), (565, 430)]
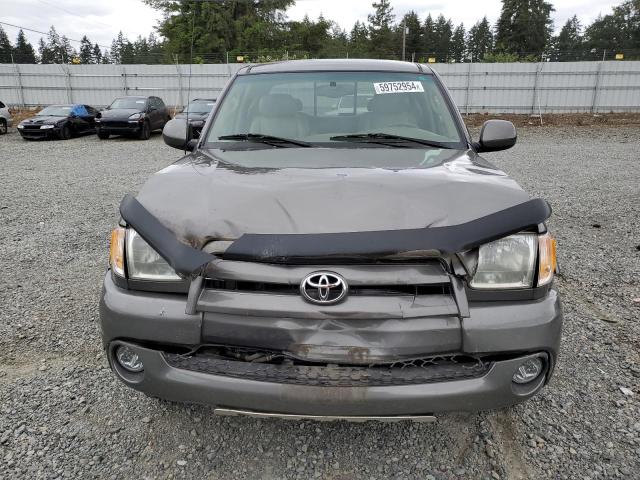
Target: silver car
[(306, 262), (5, 118)]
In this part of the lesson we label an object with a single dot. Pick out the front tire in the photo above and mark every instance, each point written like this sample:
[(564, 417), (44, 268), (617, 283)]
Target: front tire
[(65, 133), (145, 131), (3, 126), (103, 135)]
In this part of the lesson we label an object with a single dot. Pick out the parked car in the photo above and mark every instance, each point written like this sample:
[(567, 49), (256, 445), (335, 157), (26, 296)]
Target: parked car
[(5, 118), (197, 112), (318, 265), (134, 116), (59, 121)]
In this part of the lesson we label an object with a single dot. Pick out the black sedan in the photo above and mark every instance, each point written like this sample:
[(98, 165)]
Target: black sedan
[(59, 121), (197, 112), (133, 116)]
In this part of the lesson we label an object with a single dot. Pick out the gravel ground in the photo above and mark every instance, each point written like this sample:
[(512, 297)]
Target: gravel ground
[(63, 414)]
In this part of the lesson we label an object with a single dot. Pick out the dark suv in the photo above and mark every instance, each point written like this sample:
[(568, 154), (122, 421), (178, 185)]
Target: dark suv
[(320, 258), (134, 116), (197, 113)]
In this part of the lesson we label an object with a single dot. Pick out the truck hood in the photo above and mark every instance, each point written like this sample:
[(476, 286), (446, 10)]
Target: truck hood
[(222, 195)]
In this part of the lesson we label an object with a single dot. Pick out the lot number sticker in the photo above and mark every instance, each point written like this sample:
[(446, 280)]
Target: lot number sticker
[(397, 87)]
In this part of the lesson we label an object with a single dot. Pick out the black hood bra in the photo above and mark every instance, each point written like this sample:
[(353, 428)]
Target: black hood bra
[(302, 248)]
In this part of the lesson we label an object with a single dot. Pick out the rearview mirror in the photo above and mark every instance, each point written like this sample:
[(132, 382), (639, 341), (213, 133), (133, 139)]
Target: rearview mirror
[(175, 133), (496, 135)]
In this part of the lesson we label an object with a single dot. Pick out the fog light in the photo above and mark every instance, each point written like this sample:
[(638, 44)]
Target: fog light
[(528, 371), (128, 359)]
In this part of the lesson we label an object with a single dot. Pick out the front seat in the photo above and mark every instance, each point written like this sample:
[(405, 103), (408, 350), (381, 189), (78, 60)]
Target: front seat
[(388, 110), (279, 115)]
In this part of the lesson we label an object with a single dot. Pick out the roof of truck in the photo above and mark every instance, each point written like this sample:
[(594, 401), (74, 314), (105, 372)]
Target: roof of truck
[(345, 65)]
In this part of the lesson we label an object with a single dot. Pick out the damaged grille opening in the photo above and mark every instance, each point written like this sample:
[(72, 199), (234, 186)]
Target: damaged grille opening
[(364, 290), (282, 367)]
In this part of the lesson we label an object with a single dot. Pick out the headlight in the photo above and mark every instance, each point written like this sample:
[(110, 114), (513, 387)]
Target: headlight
[(135, 116), (507, 263), (20, 127), (144, 263), (46, 127)]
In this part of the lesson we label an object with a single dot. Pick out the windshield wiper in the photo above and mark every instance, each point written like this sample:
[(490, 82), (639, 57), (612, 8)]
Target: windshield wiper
[(385, 138), (267, 139)]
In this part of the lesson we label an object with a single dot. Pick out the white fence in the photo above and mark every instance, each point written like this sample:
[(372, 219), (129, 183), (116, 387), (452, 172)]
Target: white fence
[(526, 88)]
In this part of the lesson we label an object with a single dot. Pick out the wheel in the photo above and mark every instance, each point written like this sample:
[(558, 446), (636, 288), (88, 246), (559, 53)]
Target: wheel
[(3, 125), (145, 131), (65, 133), (103, 135)]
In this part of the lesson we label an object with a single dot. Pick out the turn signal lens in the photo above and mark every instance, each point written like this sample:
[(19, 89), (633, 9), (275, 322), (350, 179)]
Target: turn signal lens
[(116, 251), (547, 264)]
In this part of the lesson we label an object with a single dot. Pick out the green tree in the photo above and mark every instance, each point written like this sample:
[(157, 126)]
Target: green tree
[(23, 52), (524, 27), (66, 51), (480, 40), (617, 31), (96, 54), (381, 29), (359, 46), (254, 27), (429, 37), (307, 36), (86, 51), (458, 45), (52, 50), (337, 45), (6, 49), (414, 36), (443, 30), (569, 44)]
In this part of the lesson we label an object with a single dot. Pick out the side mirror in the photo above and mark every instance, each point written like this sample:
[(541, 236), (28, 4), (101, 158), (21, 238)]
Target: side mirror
[(175, 133), (152, 108), (496, 135)]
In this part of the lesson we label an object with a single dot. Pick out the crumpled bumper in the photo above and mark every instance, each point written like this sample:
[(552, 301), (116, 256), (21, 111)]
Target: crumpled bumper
[(151, 322), (493, 390)]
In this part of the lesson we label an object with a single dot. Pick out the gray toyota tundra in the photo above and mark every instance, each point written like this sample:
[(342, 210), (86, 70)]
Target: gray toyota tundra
[(334, 247)]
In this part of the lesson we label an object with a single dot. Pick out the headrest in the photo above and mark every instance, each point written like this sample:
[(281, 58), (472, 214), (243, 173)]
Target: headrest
[(390, 103), (278, 105)]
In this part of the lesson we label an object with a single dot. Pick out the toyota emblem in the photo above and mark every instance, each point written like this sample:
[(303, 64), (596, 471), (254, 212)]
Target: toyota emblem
[(324, 288)]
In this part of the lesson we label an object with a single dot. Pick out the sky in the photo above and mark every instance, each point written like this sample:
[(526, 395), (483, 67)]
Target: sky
[(102, 20)]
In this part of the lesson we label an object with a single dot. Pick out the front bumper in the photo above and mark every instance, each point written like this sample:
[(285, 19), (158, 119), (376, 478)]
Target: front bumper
[(493, 390), (118, 128), (36, 134), (152, 322)]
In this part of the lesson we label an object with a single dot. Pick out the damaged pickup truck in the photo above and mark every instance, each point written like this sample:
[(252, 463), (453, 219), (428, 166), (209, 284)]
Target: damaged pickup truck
[(306, 260)]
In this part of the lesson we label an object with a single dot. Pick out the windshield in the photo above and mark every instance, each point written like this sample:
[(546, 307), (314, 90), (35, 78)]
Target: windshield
[(56, 111), (129, 103), (200, 106), (337, 108)]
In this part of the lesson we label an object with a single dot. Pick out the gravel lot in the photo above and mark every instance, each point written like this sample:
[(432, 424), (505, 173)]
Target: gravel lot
[(63, 414)]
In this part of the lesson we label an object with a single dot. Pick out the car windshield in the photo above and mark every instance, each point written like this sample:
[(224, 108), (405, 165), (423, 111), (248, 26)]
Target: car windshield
[(200, 106), (338, 109), (129, 103), (56, 111)]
